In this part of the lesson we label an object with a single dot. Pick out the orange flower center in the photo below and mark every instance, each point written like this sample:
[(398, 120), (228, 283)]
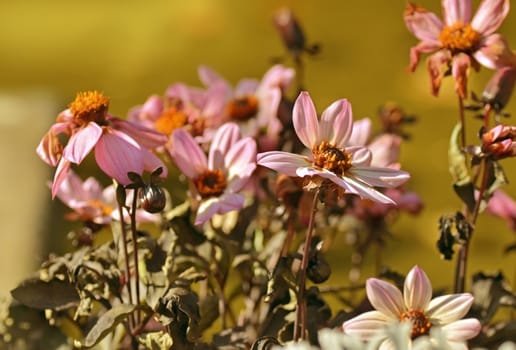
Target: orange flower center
[(103, 207), (420, 323), (242, 108), (329, 157), (459, 38), (89, 106), (169, 120), (211, 183)]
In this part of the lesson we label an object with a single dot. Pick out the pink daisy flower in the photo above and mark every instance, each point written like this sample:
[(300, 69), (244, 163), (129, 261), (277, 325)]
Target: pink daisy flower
[(331, 158), (218, 178), (120, 146), (415, 305), (459, 41)]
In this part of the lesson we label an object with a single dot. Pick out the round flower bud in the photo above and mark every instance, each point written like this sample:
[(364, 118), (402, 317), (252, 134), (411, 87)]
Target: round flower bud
[(152, 198), (318, 269)]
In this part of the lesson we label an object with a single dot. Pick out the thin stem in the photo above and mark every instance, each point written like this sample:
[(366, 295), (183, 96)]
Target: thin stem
[(462, 122), (126, 255), (135, 250), (300, 324)]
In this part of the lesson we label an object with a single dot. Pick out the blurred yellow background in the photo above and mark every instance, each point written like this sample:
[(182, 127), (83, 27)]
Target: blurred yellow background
[(131, 49)]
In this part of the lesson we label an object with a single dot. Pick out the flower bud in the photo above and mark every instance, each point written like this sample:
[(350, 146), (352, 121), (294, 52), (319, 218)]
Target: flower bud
[(498, 90), (500, 141), (152, 198), (290, 31), (318, 269)]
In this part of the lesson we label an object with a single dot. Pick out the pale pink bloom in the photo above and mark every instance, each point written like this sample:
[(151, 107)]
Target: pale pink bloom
[(120, 146), (459, 41), (218, 178), (502, 205), (254, 104), (415, 305), (91, 202), (331, 159)]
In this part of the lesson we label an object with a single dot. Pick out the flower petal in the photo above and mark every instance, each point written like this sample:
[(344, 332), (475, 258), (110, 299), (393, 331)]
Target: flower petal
[(240, 159), (495, 53), (61, 173), (218, 205), (336, 123), (366, 191), (282, 162), (462, 330), (418, 50), (381, 177), (366, 325), (456, 11), (187, 154), (304, 117), (385, 298), (423, 24), (152, 162), (437, 65), (490, 15), (223, 140), (146, 137), (449, 308), (417, 290), (460, 72), (117, 154), (82, 142), (361, 132)]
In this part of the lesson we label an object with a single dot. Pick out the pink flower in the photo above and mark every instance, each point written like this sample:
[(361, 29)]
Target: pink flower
[(254, 104), (219, 178), (503, 206), (331, 159), (91, 202), (459, 41), (415, 305), (500, 142), (120, 146)]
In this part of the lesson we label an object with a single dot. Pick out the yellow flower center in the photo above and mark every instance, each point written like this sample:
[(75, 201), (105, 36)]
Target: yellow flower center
[(459, 38), (169, 120), (242, 108), (329, 157), (89, 106), (420, 323), (211, 183)]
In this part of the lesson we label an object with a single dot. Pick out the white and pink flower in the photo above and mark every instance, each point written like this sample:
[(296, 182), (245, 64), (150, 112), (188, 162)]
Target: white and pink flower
[(217, 179)]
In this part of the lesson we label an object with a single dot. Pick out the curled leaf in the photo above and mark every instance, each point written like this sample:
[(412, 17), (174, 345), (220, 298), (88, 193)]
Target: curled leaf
[(107, 323)]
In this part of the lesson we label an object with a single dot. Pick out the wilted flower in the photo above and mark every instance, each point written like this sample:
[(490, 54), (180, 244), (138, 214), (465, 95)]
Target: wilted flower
[(120, 146), (499, 89), (331, 159), (500, 142), (219, 178), (415, 305), (459, 41)]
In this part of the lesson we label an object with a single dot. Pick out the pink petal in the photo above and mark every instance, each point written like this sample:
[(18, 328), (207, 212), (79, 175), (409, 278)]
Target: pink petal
[(147, 138), (361, 156), (152, 162), (490, 15), (246, 87), (462, 330), (460, 72), (305, 120), (361, 132), (82, 142), (117, 154), (385, 298), (225, 137), (277, 76), (282, 162), (366, 191), (221, 205), (239, 158), (438, 65), (417, 290), (418, 50), (61, 173), (456, 11), (336, 123), (449, 308), (385, 150), (494, 52), (366, 325), (423, 24), (381, 177), (187, 154), (209, 77)]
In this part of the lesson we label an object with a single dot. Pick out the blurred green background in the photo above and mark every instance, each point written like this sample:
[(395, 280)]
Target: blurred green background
[(131, 49)]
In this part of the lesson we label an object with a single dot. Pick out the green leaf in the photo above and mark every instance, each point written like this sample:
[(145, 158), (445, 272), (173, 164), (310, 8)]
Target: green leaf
[(107, 323), (457, 159), (54, 294)]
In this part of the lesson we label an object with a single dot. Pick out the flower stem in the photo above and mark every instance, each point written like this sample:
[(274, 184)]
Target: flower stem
[(462, 122), (300, 324), (135, 250)]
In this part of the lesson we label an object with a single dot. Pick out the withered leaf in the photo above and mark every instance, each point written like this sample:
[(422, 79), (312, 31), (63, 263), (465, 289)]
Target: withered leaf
[(54, 294), (107, 323)]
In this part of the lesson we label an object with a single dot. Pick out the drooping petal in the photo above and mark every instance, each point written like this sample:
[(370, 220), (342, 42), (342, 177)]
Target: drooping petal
[(437, 65), (455, 11), (418, 50), (490, 15), (460, 71), (366, 191), (117, 154), (385, 298), (152, 162), (304, 117), (381, 177), (206, 210), (61, 173), (336, 124), (366, 325), (282, 162), (462, 330), (449, 308), (219, 205), (50, 148), (495, 53), (425, 25), (239, 157), (417, 290), (223, 140), (147, 138), (82, 142), (187, 154)]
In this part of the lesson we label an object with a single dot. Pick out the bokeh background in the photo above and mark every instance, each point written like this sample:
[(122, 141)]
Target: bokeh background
[(129, 49)]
